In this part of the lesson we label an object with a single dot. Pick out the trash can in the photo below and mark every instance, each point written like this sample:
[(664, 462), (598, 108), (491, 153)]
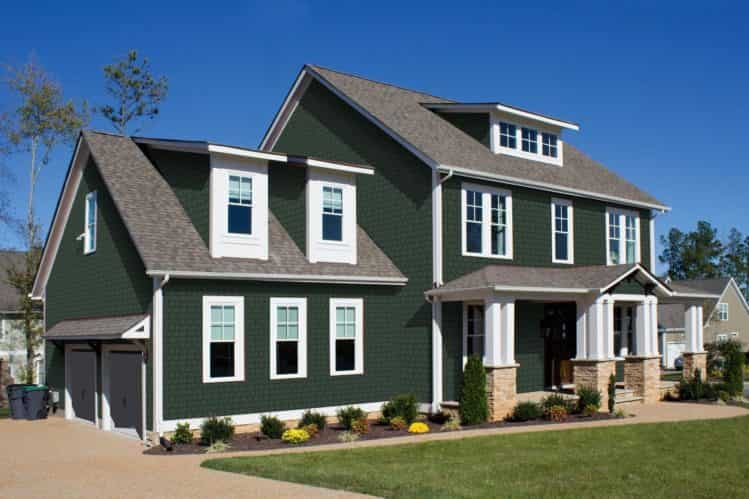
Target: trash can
[(15, 400), (35, 399)]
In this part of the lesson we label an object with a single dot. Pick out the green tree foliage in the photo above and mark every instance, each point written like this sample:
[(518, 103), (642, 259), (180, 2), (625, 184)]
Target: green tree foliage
[(733, 372), (735, 260), (474, 407), (136, 92), (40, 121), (692, 255)]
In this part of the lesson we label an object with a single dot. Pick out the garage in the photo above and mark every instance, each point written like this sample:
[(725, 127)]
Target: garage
[(82, 386), (123, 395)]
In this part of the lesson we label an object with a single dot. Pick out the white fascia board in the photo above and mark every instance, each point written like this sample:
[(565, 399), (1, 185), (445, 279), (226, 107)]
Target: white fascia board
[(507, 289), (287, 108), (466, 172), (313, 279), (738, 292), (246, 153), (140, 331), (318, 163), (647, 274)]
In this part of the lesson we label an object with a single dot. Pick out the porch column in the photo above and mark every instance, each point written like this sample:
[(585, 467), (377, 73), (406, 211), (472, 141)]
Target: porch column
[(695, 356), (499, 355), (642, 370), (594, 362), (646, 327)]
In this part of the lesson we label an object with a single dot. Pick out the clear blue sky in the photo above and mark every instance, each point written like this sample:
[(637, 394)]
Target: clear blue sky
[(660, 90)]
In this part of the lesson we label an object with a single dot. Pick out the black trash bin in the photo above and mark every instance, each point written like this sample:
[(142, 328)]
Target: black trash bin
[(35, 399), (15, 401)]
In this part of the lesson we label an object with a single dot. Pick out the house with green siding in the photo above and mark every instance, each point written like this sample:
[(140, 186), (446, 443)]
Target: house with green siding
[(374, 240)]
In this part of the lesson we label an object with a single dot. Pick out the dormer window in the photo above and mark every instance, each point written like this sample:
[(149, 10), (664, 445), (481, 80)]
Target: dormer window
[(526, 138), (332, 213), (507, 135), (331, 216), (530, 140), (240, 205), (549, 145)]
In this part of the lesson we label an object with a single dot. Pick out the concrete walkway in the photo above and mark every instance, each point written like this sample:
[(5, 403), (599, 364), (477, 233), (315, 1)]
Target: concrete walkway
[(69, 459)]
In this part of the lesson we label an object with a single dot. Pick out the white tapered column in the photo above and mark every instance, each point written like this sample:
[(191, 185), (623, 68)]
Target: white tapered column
[(499, 317)]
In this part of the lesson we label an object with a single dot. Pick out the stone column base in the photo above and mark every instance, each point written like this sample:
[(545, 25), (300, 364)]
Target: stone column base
[(642, 375), (501, 388), (695, 360), (594, 373)]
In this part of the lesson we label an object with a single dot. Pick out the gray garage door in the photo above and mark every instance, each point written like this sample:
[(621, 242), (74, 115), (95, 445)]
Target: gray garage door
[(125, 392), (83, 384)]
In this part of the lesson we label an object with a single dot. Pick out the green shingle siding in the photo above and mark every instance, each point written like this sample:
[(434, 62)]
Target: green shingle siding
[(286, 185), (452, 350), (474, 124), (529, 346), (627, 286)]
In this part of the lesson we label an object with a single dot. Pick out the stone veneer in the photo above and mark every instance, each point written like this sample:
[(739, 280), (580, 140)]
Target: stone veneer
[(501, 388), (642, 375), (695, 360), (594, 373)]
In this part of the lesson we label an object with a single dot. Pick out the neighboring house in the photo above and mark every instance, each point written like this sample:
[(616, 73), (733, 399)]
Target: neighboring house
[(12, 338), (726, 317), (377, 238)]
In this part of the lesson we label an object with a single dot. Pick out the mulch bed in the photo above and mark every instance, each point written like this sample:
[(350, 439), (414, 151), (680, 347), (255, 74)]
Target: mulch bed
[(254, 441)]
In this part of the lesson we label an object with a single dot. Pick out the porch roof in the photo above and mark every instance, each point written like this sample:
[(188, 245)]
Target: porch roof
[(569, 280), (101, 328)]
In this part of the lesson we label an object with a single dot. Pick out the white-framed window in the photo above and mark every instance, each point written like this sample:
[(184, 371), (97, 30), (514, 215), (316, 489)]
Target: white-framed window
[(549, 144), (622, 237), (346, 336), (332, 213), (508, 135), (720, 338), (486, 222), (239, 205), (473, 330), (288, 338), (562, 231), (223, 339), (722, 311), (530, 140), (89, 238), (331, 217)]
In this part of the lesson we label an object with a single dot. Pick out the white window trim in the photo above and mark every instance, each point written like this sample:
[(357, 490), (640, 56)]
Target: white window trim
[(486, 225), (301, 304), (238, 303), (358, 304), (622, 214), (570, 232), (495, 142), (465, 330), (721, 307), (318, 249), (251, 206), (90, 248)]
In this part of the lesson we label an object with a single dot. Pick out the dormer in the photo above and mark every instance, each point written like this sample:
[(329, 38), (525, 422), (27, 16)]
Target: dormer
[(511, 131), (331, 216)]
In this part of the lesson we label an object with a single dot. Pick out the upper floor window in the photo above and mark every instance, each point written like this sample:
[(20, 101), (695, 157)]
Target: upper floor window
[(332, 213), (507, 135), (223, 338), (530, 140), (622, 237), (562, 234), (288, 331), (89, 238), (549, 144), (240, 205), (487, 222), (346, 336), (473, 332), (723, 312)]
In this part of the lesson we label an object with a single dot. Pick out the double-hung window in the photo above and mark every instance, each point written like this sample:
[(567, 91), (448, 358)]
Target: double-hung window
[(622, 237), (530, 140), (89, 234), (473, 338), (288, 333), (240, 205), (346, 336), (549, 144), (223, 338), (508, 135), (332, 213), (562, 241), (723, 312), (487, 222)]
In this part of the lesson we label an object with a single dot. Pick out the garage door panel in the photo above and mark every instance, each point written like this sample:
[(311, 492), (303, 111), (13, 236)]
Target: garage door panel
[(83, 384), (125, 391)]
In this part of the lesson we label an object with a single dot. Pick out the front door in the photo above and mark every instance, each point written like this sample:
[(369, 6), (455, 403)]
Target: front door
[(125, 392), (83, 384), (558, 328)]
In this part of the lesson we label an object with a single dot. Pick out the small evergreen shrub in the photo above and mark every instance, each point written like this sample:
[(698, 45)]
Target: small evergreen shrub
[(309, 417), (612, 394), (474, 407), (360, 426), (558, 399), (348, 436), (557, 413), (733, 373), (182, 435), (347, 416), (404, 405), (215, 430), (271, 427), (590, 410), (527, 411), (295, 436), (587, 395), (620, 413), (398, 423)]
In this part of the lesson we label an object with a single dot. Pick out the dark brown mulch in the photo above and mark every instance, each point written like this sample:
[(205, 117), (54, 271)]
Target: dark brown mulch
[(254, 441)]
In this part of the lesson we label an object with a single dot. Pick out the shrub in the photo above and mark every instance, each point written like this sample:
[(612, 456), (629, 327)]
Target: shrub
[(527, 411), (403, 405), (724, 395), (315, 418), (295, 436), (612, 394), (451, 425), (620, 414), (348, 436), (271, 427), (215, 430), (218, 446), (587, 395), (398, 423), (590, 410), (558, 399), (360, 426), (557, 413), (347, 416), (182, 435), (474, 407), (418, 428), (312, 429), (733, 374)]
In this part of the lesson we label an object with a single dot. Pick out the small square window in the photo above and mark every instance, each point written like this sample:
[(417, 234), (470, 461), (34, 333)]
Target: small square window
[(549, 145), (508, 135), (530, 140)]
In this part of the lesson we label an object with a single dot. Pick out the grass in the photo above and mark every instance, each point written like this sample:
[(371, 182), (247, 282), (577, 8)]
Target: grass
[(695, 459)]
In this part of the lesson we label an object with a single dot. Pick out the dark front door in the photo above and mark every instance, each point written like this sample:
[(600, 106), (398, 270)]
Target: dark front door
[(558, 328), (83, 384), (125, 391)]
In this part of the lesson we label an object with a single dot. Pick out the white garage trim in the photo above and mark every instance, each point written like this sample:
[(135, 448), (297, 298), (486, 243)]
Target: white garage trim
[(106, 421), (69, 410)]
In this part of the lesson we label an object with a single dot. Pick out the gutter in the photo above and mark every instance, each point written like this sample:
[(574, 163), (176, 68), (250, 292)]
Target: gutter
[(313, 279)]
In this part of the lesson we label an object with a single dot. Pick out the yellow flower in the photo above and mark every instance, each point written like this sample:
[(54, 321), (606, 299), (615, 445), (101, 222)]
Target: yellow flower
[(418, 428), (295, 436)]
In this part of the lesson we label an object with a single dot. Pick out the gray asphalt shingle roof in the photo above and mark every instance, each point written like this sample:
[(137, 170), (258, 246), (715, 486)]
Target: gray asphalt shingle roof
[(9, 296), (94, 328), (403, 112), (709, 286), (166, 239), (671, 316)]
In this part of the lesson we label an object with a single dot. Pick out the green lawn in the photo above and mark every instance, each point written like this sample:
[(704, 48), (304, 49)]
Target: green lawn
[(689, 459)]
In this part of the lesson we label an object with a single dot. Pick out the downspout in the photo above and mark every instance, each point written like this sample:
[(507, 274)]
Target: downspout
[(157, 346), (437, 339)]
